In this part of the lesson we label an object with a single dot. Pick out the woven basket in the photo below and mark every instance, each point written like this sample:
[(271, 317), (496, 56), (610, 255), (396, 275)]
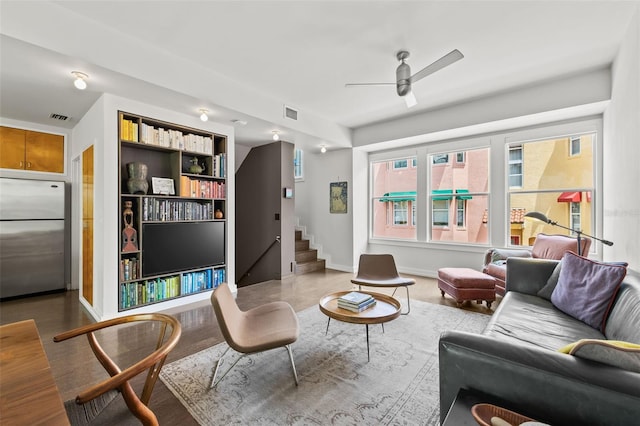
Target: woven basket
[(484, 412)]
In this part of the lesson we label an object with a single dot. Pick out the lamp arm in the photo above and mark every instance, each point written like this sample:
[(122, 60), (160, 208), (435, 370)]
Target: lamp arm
[(580, 233)]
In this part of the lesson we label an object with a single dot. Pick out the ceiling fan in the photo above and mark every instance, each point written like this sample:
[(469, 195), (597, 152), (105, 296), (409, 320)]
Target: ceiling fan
[(404, 79)]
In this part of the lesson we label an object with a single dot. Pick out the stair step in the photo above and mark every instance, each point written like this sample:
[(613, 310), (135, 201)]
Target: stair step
[(302, 245), (298, 235), (306, 255), (314, 265)]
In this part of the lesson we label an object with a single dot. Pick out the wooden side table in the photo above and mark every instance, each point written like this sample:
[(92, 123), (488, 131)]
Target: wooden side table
[(386, 309)]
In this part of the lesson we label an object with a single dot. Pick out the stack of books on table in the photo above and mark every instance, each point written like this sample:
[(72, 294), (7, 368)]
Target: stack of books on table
[(356, 302)]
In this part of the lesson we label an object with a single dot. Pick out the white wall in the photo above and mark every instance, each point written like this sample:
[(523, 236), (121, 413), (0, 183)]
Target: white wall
[(622, 153), (331, 232), (99, 127)]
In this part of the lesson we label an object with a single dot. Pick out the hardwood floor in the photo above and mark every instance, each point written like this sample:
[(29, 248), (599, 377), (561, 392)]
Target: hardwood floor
[(74, 366)]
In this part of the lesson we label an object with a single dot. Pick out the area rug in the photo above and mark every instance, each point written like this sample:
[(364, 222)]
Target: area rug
[(398, 386)]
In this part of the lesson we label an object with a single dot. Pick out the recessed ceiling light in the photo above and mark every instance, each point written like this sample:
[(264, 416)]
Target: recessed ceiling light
[(80, 81), (276, 136), (204, 116)]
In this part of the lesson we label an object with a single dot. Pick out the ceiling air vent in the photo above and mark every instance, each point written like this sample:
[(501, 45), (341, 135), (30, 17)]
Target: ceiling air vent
[(59, 117), (290, 113)]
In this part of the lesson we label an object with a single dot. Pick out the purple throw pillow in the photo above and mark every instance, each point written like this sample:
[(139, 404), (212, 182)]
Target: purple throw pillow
[(586, 289)]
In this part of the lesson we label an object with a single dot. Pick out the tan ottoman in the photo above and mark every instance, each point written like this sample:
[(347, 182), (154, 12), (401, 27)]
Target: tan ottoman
[(467, 284)]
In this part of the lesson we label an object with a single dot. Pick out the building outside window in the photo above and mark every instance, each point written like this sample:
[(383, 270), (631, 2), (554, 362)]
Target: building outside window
[(556, 184), (460, 157)]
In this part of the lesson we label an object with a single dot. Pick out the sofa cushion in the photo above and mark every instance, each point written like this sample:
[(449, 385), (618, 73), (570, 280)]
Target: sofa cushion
[(586, 289), (546, 291), (625, 355), (527, 318)]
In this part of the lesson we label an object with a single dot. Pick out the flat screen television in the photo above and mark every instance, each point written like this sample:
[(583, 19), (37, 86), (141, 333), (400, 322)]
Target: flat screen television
[(173, 247)]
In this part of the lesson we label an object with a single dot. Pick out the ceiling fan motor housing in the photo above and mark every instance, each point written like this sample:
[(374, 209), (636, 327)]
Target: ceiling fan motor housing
[(403, 79)]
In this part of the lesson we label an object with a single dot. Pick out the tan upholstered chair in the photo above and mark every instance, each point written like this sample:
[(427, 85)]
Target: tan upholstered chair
[(544, 247), (379, 270), (89, 404), (265, 327)]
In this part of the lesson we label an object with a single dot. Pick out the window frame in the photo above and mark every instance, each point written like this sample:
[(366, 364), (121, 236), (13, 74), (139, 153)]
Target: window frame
[(497, 221)]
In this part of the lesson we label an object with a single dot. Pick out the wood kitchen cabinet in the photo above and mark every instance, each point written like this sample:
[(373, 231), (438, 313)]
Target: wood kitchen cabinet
[(30, 150)]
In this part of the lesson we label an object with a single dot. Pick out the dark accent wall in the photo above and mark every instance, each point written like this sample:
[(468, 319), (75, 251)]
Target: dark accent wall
[(262, 213)]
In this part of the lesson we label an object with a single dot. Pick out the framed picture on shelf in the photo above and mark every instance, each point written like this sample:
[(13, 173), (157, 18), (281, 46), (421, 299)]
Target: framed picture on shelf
[(162, 186)]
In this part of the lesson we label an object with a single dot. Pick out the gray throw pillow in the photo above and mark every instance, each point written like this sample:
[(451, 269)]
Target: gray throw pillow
[(546, 291)]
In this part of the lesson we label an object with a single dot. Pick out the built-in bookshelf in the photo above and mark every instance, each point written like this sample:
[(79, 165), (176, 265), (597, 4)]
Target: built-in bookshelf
[(172, 210)]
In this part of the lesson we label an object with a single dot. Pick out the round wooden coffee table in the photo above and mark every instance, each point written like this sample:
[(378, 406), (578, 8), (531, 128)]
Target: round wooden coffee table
[(386, 309)]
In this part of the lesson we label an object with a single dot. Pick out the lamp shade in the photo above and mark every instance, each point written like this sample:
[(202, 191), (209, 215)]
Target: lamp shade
[(539, 216)]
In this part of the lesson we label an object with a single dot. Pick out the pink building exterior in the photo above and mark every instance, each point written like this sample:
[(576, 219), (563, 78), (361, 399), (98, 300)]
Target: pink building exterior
[(459, 184)]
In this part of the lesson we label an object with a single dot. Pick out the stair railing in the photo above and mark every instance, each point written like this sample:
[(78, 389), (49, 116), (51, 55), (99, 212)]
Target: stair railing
[(248, 272)]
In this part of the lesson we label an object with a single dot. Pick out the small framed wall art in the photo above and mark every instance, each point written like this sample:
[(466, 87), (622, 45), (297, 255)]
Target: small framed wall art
[(338, 196)]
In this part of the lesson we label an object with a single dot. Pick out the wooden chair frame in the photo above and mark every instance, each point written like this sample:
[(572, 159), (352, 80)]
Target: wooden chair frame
[(120, 378)]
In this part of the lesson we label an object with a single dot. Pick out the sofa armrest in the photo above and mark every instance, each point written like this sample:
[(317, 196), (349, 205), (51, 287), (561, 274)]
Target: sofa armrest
[(528, 275), (495, 254), (561, 387)]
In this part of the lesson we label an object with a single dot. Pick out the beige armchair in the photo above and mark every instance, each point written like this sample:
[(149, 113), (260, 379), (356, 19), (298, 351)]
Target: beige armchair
[(544, 247), (269, 326)]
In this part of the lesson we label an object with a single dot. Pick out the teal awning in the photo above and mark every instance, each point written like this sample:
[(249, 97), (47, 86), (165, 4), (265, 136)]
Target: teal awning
[(398, 196), (442, 194), (463, 197)]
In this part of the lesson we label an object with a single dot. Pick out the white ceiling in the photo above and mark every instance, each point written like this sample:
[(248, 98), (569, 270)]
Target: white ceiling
[(246, 59)]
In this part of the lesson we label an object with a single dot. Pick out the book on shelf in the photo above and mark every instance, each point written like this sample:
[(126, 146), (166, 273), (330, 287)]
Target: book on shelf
[(357, 308), (355, 298)]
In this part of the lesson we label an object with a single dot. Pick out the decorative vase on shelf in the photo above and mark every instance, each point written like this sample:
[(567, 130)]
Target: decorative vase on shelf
[(218, 214), (137, 183), (195, 168)]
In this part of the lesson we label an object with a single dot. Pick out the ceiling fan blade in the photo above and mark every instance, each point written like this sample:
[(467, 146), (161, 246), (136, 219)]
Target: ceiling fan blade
[(446, 60), (368, 84)]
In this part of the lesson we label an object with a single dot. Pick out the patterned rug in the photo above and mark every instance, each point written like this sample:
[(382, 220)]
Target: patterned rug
[(399, 386)]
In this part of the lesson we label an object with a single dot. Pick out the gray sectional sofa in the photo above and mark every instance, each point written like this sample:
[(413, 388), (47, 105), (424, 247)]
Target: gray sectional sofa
[(516, 358)]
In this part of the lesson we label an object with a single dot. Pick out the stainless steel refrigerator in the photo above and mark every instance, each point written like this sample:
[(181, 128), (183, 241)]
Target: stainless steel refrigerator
[(31, 236)]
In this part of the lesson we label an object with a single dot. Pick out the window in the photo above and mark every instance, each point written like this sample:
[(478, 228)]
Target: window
[(574, 220), (440, 158), (414, 162), (394, 198), (574, 146), (557, 185), (440, 212), (400, 212), (460, 212), (400, 164), (459, 196), (515, 166), (297, 165)]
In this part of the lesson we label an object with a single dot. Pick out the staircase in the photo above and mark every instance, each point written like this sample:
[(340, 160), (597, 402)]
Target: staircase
[(306, 258)]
